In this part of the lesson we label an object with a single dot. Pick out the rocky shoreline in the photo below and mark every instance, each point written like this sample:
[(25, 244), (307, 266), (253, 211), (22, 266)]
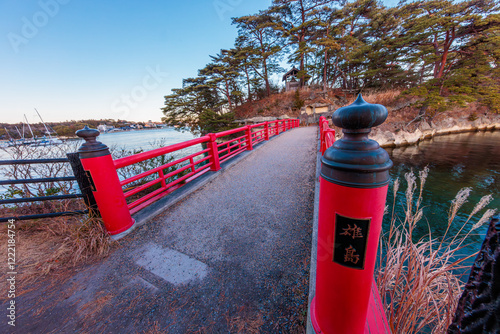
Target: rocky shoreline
[(391, 134), (428, 130)]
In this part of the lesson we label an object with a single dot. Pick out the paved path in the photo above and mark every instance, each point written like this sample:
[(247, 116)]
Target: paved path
[(231, 257)]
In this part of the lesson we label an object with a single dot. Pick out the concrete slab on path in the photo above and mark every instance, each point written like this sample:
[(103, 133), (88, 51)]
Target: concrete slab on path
[(171, 265), (233, 255)]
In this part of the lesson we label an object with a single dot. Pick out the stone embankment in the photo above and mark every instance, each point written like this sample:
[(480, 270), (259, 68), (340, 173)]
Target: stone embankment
[(426, 130)]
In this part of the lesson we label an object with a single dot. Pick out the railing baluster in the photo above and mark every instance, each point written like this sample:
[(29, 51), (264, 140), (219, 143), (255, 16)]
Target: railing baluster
[(191, 161), (161, 175), (214, 152), (249, 138)]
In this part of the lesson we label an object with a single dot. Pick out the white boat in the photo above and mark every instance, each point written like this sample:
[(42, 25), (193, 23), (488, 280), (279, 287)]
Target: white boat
[(46, 142)]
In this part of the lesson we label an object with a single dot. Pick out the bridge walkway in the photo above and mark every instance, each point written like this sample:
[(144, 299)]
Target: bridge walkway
[(231, 257)]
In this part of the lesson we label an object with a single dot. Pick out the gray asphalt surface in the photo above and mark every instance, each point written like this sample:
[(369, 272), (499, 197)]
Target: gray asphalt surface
[(231, 257)]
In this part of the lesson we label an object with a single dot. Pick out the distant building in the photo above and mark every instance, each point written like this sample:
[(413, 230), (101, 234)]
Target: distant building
[(311, 112), (104, 128), (316, 108), (290, 78)]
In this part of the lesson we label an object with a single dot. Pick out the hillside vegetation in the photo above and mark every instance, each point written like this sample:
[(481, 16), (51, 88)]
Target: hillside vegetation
[(439, 54)]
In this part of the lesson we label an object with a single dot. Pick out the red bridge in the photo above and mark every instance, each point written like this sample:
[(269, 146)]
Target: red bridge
[(222, 241)]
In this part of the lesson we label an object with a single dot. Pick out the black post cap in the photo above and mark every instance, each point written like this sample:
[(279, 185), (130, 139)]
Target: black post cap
[(356, 161), (91, 148)]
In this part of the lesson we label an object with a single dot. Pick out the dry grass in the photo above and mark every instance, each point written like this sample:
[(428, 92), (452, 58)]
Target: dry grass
[(386, 98), (54, 245), (96, 305), (282, 103), (419, 282), (248, 325), (155, 329)]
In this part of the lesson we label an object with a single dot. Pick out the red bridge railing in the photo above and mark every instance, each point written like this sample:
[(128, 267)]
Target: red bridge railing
[(327, 135), (159, 172), (160, 181)]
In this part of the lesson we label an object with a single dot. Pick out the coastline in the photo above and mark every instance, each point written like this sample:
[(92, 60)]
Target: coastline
[(426, 131)]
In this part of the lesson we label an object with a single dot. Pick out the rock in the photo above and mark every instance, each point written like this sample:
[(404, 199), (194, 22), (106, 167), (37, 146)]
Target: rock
[(385, 139), (448, 123), (428, 134), (463, 123), (399, 137), (412, 137), (423, 126)]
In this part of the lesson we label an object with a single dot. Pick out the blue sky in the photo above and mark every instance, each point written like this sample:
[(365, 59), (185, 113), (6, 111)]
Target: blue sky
[(76, 59)]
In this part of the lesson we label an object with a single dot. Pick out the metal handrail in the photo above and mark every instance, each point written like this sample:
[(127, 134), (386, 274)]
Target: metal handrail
[(79, 177), (33, 161)]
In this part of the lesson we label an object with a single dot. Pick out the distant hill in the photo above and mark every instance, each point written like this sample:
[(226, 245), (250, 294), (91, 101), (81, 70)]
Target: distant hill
[(65, 129)]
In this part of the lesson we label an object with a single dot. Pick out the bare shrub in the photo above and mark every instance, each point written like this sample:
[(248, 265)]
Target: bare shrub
[(31, 171), (420, 281)]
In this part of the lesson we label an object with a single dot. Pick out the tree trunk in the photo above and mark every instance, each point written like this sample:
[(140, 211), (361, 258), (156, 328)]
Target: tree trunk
[(324, 70), (450, 37), (228, 96), (266, 79), (249, 98)]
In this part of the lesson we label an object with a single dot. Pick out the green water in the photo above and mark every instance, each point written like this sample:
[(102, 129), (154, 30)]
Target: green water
[(454, 161)]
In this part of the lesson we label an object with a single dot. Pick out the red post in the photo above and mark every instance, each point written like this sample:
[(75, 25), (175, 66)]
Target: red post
[(100, 169), (321, 127), (277, 127), (266, 131), (249, 138), (214, 152), (353, 189)]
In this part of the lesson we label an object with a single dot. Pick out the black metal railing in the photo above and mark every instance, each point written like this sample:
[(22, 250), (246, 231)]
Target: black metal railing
[(478, 309), (79, 176)]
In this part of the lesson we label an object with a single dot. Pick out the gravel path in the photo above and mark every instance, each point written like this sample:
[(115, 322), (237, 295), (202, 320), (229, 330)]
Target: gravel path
[(231, 257)]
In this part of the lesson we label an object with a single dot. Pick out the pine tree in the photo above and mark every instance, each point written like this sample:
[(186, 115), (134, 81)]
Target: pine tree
[(295, 22), (259, 40)]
